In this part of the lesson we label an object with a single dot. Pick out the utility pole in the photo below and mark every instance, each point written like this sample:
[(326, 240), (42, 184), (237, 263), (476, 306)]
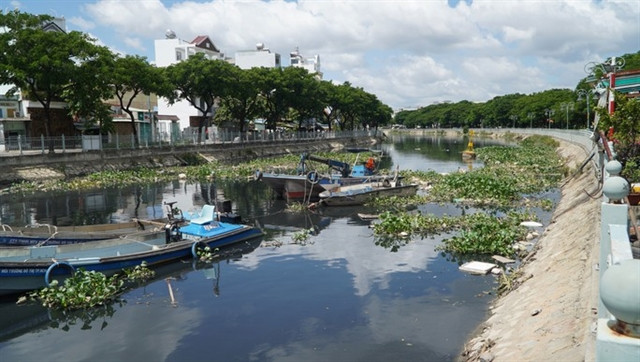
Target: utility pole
[(587, 94)]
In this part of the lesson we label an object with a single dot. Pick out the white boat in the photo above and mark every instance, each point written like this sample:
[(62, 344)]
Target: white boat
[(362, 193)]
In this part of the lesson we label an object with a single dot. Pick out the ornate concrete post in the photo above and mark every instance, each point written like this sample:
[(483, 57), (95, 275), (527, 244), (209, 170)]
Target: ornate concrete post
[(618, 337), (620, 293)]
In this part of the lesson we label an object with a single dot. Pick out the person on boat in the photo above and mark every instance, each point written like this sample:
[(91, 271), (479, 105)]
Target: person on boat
[(370, 164)]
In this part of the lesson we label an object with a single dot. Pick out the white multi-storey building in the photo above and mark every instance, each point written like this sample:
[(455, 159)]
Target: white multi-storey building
[(171, 50), (312, 65), (259, 57)]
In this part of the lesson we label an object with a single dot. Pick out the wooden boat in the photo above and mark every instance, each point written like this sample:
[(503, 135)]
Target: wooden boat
[(28, 268), (362, 193), (308, 184), (45, 234)]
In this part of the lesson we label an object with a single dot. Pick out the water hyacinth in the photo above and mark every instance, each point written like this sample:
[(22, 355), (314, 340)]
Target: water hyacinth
[(479, 233), (87, 289)]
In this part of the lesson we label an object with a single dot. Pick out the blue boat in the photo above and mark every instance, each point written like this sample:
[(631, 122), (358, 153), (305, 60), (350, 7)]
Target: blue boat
[(29, 268)]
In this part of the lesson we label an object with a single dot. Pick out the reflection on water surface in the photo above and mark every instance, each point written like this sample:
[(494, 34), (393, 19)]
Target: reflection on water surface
[(337, 297)]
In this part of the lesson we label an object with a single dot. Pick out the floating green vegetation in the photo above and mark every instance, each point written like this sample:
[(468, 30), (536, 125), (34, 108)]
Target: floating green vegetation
[(508, 172), (479, 233), (206, 254), (297, 207), (139, 273), (301, 237), (395, 229), (87, 289), (394, 224), (486, 234)]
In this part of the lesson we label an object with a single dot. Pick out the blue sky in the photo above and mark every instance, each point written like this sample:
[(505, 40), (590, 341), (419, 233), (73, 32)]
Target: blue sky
[(409, 53)]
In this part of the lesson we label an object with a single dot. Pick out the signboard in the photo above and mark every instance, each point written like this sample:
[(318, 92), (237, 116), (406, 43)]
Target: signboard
[(194, 121)]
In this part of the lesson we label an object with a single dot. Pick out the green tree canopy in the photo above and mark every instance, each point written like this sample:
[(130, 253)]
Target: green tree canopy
[(201, 82), (42, 64), (133, 76)]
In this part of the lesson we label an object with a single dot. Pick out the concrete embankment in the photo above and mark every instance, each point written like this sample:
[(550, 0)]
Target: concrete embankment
[(35, 166), (551, 315)]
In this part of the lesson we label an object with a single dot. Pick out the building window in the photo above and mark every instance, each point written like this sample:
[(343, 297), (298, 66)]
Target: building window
[(178, 55)]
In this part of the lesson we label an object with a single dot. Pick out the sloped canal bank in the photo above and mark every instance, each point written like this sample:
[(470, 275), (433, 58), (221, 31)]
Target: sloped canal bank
[(551, 315)]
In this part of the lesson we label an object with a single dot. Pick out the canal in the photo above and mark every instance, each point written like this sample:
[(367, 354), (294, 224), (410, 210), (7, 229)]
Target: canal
[(336, 296)]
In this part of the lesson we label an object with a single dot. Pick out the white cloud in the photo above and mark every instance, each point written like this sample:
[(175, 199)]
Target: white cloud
[(135, 43), (406, 52), (512, 34), (82, 23)]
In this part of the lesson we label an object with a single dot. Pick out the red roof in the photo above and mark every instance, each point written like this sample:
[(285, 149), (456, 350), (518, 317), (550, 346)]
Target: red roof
[(204, 42)]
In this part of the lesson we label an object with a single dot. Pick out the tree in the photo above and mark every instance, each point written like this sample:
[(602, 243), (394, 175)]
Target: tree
[(349, 105), (201, 82), (626, 125), (377, 114), (242, 101), (41, 64), (303, 94), (272, 90), (133, 76), (89, 87), (332, 100)]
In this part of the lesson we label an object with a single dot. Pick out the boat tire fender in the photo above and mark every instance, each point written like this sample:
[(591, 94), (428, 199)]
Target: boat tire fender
[(196, 246), (386, 183), (258, 175), (60, 265), (313, 177)]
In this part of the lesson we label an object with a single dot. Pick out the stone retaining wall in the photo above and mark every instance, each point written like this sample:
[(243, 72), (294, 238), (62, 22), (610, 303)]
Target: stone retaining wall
[(38, 167)]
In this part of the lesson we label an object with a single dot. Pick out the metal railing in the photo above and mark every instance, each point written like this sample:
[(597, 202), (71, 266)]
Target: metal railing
[(21, 145)]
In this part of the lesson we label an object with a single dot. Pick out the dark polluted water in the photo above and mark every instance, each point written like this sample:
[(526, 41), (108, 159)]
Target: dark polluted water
[(337, 296)]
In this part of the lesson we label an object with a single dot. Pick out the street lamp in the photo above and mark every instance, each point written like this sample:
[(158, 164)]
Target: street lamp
[(610, 65), (549, 112), (587, 94), (567, 106), (606, 69)]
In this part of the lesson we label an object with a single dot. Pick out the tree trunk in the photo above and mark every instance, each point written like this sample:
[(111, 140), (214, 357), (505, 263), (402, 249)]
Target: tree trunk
[(47, 127), (134, 131)]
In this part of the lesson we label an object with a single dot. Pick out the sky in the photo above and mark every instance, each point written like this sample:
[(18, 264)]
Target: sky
[(409, 53)]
